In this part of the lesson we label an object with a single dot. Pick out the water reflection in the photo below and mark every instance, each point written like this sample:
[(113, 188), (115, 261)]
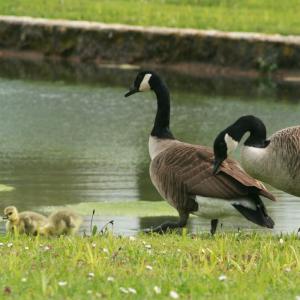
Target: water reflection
[(65, 143)]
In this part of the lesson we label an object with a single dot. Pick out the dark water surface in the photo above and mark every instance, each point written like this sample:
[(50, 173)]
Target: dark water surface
[(67, 142)]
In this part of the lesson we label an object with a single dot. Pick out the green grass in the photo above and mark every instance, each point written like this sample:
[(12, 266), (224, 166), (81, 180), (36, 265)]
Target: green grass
[(255, 266), (230, 15)]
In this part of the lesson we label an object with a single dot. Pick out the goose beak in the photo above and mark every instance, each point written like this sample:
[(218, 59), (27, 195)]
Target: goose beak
[(217, 164), (131, 92)]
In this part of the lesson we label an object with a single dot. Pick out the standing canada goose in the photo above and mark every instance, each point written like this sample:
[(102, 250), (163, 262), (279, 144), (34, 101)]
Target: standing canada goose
[(27, 222), (275, 160), (183, 175), (62, 222)]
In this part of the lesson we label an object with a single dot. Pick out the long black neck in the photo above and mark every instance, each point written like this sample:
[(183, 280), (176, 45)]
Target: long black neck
[(256, 128), (162, 120)]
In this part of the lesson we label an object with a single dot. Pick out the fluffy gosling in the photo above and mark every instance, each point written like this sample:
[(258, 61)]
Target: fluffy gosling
[(62, 222), (26, 222)]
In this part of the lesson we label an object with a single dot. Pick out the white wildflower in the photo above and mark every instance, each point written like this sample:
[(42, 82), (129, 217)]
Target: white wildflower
[(178, 250), (157, 289), (148, 246), (94, 245), (281, 241), (288, 269), (89, 292), (132, 238), (1, 244), (174, 295), (62, 283), (132, 290), (123, 290), (26, 248), (46, 248), (24, 279), (9, 245), (91, 275), (222, 277), (105, 250), (110, 278), (149, 267)]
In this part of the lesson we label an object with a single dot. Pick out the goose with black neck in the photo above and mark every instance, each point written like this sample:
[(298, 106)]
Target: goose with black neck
[(183, 175), (274, 160)]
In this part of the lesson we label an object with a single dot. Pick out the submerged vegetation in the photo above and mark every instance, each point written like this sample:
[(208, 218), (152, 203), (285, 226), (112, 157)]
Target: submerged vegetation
[(226, 266), (229, 15)]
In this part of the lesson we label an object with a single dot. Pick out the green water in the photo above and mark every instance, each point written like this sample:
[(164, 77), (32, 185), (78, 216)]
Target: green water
[(68, 143)]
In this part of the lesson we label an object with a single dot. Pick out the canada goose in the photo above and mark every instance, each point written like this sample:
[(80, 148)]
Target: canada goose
[(275, 160), (27, 222), (183, 175), (62, 222)]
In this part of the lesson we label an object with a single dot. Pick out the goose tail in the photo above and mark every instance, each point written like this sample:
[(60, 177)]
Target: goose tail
[(258, 216)]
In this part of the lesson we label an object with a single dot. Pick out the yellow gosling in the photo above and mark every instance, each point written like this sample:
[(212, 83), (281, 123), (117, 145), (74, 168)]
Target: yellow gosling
[(62, 222), (26, 222)]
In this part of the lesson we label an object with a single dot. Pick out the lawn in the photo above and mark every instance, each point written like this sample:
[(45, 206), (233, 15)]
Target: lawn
[(230, 15), (226, 266)]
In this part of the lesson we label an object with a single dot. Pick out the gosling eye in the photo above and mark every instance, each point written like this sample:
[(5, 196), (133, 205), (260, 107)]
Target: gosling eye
[(10, 213)]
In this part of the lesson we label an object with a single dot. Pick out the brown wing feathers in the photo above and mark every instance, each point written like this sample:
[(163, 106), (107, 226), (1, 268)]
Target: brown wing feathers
[(184, 171)]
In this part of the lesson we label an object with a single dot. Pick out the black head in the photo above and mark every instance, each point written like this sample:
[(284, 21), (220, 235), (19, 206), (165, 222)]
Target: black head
[(144, 81), (227, 140)]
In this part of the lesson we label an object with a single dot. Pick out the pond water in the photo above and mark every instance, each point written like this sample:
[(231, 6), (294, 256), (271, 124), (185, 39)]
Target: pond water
[(67, 142)]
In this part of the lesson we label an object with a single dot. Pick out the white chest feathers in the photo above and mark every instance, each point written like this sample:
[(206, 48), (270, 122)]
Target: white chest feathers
[(255, 161), (157, 145)]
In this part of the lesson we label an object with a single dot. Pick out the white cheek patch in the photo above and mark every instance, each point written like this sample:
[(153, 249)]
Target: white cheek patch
[(230, 143), (144, 86)]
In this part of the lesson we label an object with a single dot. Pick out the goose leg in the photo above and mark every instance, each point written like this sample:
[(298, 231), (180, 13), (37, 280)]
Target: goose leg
[(213, 226), (164, 227)]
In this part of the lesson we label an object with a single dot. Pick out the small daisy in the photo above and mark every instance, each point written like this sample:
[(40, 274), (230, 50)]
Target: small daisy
[(132, 290), (157, 289), (91, 275), (24, 279), (26, 248), (222, 277), (132, 238), (123, 290), (281, 241), (149, 267), (148, 246), (288, 269), (110, 278), (174, 295), (94, 245), (62, 283), (1, 244), (9, 245), (105, 250), (46, 248)]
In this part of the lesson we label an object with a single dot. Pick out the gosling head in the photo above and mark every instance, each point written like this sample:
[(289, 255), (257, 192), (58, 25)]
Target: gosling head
[(45, 230), (144, 81), (11, 213)]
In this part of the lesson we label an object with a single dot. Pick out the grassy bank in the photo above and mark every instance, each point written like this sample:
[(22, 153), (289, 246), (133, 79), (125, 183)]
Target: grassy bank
[(229, 15), (227, 266)]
